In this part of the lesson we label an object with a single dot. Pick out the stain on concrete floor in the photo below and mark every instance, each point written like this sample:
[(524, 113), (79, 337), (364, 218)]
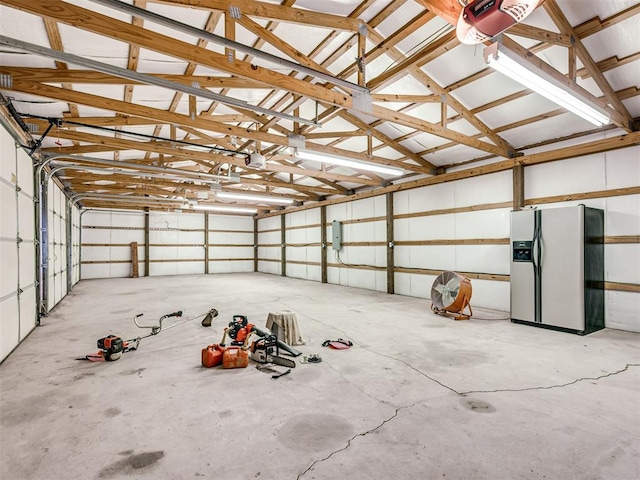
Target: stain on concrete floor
[(315, 432), (131, 464)]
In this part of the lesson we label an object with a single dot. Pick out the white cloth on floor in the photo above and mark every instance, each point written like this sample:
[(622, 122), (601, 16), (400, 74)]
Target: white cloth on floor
[(288, 331)]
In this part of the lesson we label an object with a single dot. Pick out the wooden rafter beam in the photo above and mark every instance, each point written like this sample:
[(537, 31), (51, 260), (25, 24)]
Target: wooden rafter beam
[(91, 77), (125, 32), (389, 141), (158, 147), (272, 11), (539, 34)]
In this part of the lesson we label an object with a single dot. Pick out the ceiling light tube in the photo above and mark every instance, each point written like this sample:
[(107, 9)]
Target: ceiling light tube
[(254, 198), (343, 162), (224, 208), (503, 60)]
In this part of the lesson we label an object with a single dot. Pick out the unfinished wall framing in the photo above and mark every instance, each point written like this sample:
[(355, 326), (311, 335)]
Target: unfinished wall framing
[(177, 243), (464, 225)]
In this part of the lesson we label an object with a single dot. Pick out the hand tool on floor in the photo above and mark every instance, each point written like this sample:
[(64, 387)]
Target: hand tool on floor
[(268, 368)]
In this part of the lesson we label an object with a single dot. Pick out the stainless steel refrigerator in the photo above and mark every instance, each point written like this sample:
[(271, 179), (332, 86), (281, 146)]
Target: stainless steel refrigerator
[(557, 268)]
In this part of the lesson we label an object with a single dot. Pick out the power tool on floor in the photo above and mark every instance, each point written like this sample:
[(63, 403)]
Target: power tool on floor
[(240, 330), (111, 347), (266, 350)]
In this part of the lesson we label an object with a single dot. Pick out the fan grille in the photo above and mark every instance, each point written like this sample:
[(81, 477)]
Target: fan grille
[(445, 289)]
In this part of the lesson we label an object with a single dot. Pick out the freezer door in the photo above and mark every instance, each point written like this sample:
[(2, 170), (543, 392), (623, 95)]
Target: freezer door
[(522, 273), (562, 264)]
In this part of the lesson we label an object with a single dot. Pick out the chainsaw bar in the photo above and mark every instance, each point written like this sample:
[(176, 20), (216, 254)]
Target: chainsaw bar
[(284, 362)]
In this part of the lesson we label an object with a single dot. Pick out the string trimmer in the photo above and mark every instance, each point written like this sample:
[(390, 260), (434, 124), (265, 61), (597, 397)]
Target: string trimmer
[(111, 347)]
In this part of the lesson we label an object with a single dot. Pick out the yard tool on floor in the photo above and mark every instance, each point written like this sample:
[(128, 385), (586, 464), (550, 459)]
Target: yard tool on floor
[(206, 322), (111, 347), (240, 329), (266, 350)]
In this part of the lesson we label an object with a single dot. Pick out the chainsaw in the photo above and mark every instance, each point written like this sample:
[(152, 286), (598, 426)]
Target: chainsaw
[(265, 350)]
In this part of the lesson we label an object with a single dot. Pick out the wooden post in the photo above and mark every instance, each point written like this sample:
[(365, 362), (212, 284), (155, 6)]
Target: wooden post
[(283, 244), (323, 243), (518, 187), (390, 246), (206, 243), (134, 259), (255, 244), (146, 242)]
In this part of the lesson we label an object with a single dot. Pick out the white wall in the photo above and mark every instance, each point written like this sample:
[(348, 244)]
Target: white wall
[(176, 243), (269, 245), (483, 224), (303, 245), (375, 255), (230, 243), (18, 313), (106, 243)]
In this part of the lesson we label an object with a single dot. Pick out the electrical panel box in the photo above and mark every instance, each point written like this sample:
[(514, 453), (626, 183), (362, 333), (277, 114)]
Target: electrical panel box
[(336, 235)]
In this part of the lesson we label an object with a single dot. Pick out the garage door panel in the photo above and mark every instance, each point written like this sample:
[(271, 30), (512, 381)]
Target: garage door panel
[(27, 264), (9, 270), (8, 219), (26, 215), (9, 326), (27, 311)]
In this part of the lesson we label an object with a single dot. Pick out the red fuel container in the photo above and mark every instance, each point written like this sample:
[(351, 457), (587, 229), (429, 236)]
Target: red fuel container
[(212, 355), (235, 357)]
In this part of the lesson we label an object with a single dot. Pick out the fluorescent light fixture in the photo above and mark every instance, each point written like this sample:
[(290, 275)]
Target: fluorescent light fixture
[(371, 167), (224, 208), (536, 79), (254, 198)]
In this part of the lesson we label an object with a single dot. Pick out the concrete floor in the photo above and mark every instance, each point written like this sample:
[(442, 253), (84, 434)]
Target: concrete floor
[(417, 397)]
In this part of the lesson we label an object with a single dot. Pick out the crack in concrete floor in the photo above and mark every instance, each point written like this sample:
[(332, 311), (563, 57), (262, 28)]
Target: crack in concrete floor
[(461, 394), (548, 387), (451, 389), (362, 434)]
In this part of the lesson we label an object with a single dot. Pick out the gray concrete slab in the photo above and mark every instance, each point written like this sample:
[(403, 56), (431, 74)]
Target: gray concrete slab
[(418, 396)]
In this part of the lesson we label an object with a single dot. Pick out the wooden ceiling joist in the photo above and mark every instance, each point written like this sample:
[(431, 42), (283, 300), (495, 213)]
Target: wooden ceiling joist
[(395, 33)]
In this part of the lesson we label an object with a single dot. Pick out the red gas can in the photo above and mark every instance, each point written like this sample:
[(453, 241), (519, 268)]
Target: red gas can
[(235, 357), (212, 355)]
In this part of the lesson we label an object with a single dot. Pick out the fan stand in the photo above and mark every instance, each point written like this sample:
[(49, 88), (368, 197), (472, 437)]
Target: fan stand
[(458, 314)]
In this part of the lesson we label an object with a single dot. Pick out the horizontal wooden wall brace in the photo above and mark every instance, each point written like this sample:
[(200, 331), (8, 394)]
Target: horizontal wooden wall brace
[(614, 192), (622, 287), (301, 262), (460, 241), (301, 227), (200, 260), (622, 239), (449, 211), (470, 275)]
